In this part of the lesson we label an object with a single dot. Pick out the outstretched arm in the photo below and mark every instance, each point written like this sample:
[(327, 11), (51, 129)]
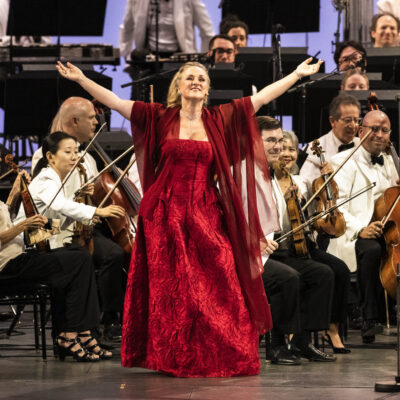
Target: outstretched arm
[(103, 95), (277, 88)]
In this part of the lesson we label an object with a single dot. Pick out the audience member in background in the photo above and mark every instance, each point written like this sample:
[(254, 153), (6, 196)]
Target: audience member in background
[(350, 54), (238, 30), (354, 79), (385, 30)]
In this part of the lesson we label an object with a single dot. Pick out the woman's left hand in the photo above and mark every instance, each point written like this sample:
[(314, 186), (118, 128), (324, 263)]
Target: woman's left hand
[(305, 68)]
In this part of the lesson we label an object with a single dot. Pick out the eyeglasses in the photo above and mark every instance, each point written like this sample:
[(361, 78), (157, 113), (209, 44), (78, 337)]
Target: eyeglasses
[(354, 57), (221, 50), (376, 129), (349, 120)]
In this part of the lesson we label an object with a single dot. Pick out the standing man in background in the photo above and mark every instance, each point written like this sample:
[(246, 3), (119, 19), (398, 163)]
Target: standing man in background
[(177, 20)]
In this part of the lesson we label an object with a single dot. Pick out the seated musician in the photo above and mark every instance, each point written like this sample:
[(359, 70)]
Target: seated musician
[(361, 247), (222, 49), (319, 280), (176, 27), (354, 79), (385, 30), (350, 54), (67, 270), (77, 117), (236, 29), (344, 117)]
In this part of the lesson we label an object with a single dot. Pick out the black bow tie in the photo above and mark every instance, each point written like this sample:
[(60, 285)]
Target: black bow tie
[(343, 147), (377, 159), (82, 147), (271, 172)]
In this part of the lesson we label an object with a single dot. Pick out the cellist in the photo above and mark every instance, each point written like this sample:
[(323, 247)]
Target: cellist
[(77, 117), (362, 245)]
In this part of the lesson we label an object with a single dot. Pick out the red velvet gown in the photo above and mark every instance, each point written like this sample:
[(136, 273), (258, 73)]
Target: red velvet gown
[(185, 312)]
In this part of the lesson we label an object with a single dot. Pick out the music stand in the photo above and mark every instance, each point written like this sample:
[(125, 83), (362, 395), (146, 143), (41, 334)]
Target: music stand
[(261, 16), (56, 18)]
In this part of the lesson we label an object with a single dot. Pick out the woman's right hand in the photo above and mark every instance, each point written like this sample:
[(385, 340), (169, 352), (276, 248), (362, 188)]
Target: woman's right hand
[(69, 71), (110, 211)]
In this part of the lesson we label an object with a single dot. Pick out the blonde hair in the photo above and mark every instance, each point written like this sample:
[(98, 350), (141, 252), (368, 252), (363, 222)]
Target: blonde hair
[(174, 98)]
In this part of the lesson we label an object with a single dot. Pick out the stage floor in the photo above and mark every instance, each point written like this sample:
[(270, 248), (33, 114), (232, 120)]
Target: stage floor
[(24, 375)]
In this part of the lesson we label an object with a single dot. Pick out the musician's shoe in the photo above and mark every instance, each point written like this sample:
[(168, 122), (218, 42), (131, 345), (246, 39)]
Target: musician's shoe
[(313, 354), (112, 332), (284, 356), (369, 329)]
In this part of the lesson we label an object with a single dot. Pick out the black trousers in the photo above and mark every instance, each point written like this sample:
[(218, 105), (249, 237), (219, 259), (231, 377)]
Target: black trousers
[(316, 288), (282, 286), (109, 260), (369, 253), (70, 273)]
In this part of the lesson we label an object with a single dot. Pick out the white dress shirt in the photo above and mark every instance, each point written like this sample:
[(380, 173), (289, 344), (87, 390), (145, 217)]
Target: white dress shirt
[(186, 15), (14, 247), (330, 145), (357, 173), (43, 189)]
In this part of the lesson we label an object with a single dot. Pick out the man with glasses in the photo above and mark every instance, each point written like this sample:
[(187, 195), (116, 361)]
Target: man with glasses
[(349, 55), (222, 49), (362, 245), (344, 117)]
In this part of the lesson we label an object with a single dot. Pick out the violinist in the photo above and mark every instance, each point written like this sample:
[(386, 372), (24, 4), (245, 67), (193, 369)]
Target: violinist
[(303, 285), (61, 152), (77, 117), (68, 271), (361, 247), (344, 117)]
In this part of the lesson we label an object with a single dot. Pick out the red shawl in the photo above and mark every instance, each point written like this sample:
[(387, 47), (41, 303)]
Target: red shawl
[(233, 134)]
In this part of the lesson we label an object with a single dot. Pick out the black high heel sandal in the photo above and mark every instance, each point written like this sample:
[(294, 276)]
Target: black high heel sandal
[(94, 348), (336, 350), (81, 354)]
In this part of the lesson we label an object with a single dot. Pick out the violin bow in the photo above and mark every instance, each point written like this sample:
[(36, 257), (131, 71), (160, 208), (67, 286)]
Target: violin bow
[(73, 168), (331, 176), (132, 148), (323, 213)]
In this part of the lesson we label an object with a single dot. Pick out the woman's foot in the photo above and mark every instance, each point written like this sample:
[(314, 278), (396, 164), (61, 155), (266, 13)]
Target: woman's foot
[(91, 344), (69, 344), (336, 343)]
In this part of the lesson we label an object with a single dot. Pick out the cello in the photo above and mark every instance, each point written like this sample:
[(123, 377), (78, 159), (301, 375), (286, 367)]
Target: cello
[(126, 195)]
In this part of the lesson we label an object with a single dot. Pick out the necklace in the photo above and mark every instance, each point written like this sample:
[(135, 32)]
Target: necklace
[(197, 116)]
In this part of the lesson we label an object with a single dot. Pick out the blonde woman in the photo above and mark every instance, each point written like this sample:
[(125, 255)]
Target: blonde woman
[(195, 301)]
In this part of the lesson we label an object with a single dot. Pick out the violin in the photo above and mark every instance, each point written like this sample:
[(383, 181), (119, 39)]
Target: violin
[(29, 206), (296, 218), (334, 224), (126, 195), (83, 234)]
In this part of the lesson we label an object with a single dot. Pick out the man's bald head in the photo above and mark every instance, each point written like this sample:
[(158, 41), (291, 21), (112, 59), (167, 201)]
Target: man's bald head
[(77, 117), (378, 140)]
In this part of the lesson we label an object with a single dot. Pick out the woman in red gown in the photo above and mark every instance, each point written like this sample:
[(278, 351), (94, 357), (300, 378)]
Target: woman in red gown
[(195, 301)]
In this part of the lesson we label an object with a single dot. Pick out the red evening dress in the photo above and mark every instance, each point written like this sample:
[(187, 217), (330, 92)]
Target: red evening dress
[(185, 313)]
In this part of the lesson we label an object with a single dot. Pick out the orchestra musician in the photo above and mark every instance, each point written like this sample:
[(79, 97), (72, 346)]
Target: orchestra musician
[(68, 271), (361, 247), (344, 117), (323, 279), (188, 278), (77, 117)]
